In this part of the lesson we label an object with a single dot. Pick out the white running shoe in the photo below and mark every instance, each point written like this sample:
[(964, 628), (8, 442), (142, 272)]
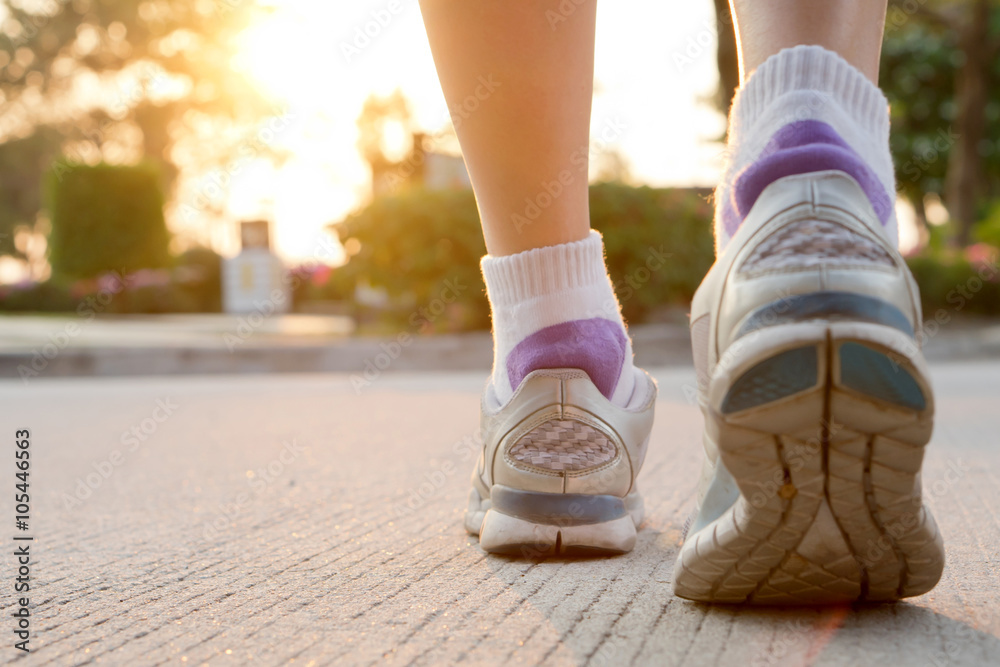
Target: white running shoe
[(558, 467), (817, 407)]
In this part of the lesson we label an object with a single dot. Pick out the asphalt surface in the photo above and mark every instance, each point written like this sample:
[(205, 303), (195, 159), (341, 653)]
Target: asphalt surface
[(311, 519)]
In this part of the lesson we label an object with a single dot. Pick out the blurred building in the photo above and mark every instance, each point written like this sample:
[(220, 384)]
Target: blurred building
[(443, 172), (420, 168), (253, 281)]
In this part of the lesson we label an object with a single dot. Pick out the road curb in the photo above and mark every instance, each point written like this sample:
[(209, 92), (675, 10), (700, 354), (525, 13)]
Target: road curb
[(655, 345)]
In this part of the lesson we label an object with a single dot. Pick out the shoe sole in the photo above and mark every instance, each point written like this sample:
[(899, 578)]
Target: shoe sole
[(536, 525), (823, 425)]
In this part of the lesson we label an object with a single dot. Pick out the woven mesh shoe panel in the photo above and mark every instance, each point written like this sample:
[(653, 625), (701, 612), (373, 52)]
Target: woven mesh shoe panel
[(559, 444), (813, 242)]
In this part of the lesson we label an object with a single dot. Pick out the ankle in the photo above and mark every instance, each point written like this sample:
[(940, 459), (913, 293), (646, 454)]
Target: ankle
[(805, 110), (554, 307)]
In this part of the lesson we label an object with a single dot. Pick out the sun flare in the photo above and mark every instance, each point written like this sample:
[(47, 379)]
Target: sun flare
[(302, 55)]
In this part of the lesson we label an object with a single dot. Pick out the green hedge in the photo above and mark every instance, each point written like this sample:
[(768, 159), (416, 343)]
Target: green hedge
[(951, 284), (47, 297), (416, 243), (658, 242), (105, 218), (192, 285), (422, 246)]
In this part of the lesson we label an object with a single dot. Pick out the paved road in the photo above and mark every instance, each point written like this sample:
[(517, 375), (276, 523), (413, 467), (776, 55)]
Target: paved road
[(289, 518)]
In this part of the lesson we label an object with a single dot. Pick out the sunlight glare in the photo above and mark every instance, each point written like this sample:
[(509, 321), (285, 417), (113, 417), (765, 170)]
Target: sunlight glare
[(296, 55)]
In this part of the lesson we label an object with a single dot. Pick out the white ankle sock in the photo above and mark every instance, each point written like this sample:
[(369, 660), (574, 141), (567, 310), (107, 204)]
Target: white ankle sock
[(554, 307), (805, 109)]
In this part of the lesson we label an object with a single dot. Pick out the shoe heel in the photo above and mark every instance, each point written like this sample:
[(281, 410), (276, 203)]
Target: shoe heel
[(513, 536), (538, 525), (822, 425)]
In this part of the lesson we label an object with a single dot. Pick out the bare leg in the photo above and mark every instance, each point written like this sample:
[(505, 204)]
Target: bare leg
[(852, 28), (533, 125), (558, 335)]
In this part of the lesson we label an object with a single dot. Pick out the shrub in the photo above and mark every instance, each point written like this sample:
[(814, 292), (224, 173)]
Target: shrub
[(105, 218), (957, 284), (642, 224), (415, 245), (419, 245), (197, 280), (47, 297)]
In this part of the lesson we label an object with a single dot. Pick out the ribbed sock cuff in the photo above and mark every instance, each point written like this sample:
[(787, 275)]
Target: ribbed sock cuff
[(816, 69), (514, 279)]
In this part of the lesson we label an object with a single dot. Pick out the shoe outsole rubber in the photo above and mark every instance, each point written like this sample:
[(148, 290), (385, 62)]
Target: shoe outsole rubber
[(534, 538), (823, 426)]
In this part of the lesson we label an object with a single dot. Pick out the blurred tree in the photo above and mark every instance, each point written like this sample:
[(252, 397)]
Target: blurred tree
[(379, 117), (918, 68), (423, 246), (611, 166), (726, 56), (23, 163), (941, 74), (387, 135), (415, 245), (119, 80), (105, 218), (198, 279)]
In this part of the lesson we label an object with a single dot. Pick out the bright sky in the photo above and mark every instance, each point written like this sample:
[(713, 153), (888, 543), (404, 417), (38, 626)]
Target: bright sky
[(655, 70), (655, 62)]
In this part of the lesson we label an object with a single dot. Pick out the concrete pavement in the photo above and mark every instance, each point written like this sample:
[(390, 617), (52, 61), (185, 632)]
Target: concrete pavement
[(294, 519), (33, 346)]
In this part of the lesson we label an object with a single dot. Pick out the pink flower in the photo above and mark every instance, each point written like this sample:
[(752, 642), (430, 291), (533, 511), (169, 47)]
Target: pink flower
[(982, 254), (321, 275), (110, 283), (148, 278)]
